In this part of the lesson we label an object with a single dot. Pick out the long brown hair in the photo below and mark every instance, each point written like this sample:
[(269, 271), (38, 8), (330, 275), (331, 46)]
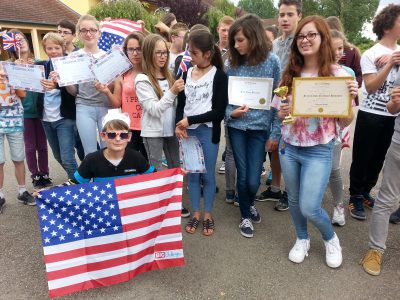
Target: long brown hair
[(148, 65), (326, 53), (259, 45)]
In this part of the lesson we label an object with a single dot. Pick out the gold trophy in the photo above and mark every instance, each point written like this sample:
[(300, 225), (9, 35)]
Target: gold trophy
[(282, 92)]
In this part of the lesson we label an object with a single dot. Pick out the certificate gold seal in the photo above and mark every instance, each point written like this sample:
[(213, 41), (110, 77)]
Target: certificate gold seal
[(262, 101), (320, 110)]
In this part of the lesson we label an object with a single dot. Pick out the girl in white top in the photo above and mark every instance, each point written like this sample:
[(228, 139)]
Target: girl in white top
[(157, 91)]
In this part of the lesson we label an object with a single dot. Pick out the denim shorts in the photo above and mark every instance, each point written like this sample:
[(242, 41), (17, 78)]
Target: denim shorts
[(16, 143)]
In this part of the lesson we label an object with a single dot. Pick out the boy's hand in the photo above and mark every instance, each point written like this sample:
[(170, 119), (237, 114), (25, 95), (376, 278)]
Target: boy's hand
[(272, 145), (183, 124), (54, 76), (48, 84)]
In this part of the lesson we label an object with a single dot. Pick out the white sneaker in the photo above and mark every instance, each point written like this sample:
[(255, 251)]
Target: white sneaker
[(299, 251), (333, 252), (338, 215)]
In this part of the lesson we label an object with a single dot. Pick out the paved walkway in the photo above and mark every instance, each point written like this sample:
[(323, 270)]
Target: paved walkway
[(223, 266)]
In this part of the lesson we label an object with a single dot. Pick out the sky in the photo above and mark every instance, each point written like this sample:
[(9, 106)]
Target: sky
[(368, 27)]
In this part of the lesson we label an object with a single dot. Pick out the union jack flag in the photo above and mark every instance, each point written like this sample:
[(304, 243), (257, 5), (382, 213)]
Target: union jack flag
[(114, 32), (185, 63), (11, 41), (107, 232)]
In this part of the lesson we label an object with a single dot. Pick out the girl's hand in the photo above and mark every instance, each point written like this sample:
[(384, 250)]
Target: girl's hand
[(19, 61), (30, 61), (272, 145), (178, 86), (48, 84), (284, 111), (101, 87), (54, 76), (395, 58), (181, 133), (240, 111), (395, 95), (353, 88), (183, 124)]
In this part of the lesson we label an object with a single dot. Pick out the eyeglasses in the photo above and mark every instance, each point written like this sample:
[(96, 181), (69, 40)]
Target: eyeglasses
[(133, 50), (309, 36), (85, 31), (63, 32), (113, 135), (162, 53)]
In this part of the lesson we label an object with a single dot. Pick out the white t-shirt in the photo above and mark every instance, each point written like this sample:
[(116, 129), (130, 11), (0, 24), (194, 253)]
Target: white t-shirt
[(198, 95), (169, 114), (376, 102), (171, 64)]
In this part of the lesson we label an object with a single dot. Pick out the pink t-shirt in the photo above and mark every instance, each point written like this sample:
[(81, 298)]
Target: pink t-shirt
[(306, 132), (130, 101)]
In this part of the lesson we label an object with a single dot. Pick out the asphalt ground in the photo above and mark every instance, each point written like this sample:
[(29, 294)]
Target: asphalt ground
[(222, 266)]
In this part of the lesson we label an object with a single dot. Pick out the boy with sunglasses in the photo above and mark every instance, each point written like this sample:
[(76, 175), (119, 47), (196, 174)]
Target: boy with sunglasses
[(116, 160)]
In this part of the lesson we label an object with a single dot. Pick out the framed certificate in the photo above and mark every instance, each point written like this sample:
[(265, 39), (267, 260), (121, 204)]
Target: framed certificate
[(255, 92), (24, 76), (326, 97), (73, 69), (110, 66)]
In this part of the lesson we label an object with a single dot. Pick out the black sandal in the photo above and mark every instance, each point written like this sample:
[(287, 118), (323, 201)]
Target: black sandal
[(208, 227), (192, 225)]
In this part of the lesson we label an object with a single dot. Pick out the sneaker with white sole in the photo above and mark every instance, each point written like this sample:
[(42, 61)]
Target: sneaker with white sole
[(246, 228), (338, 217), (255, 215), (299, 251), (333, 252), (27, 199)]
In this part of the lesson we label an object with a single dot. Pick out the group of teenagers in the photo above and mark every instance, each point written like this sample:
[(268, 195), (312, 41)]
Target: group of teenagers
[(158, 105)]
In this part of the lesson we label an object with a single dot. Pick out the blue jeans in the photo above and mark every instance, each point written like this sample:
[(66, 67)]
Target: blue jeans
[(210, 151), (249, 152), (61, 137), (306, 171), (88, 121)]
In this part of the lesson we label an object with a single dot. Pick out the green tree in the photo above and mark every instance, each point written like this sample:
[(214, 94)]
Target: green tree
[(125, 9), (265, 9), (353, 14), (219, 9)]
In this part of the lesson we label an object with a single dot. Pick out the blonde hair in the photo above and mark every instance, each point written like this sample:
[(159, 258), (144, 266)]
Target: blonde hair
[(148, 66), (87, 18), (54, 37)]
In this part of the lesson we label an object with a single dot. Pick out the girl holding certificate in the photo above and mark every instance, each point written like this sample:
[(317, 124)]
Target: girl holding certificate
[(250, 129), (34, 135), (157, 90), (200, 110), (124, 95), (91, 105), (307, 143)]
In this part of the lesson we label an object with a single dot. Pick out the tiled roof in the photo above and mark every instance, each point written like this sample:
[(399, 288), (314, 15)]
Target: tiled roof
[(46, 12)]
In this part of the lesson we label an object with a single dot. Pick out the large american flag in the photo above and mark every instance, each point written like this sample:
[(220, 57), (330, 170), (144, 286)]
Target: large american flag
[(114, 32), (11, 41), (103, 233)]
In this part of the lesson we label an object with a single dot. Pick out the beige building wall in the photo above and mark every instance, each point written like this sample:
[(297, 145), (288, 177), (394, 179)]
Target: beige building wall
[(80, 6)]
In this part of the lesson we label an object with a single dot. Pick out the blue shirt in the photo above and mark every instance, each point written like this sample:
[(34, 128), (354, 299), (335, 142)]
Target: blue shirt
[(257, 119)]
